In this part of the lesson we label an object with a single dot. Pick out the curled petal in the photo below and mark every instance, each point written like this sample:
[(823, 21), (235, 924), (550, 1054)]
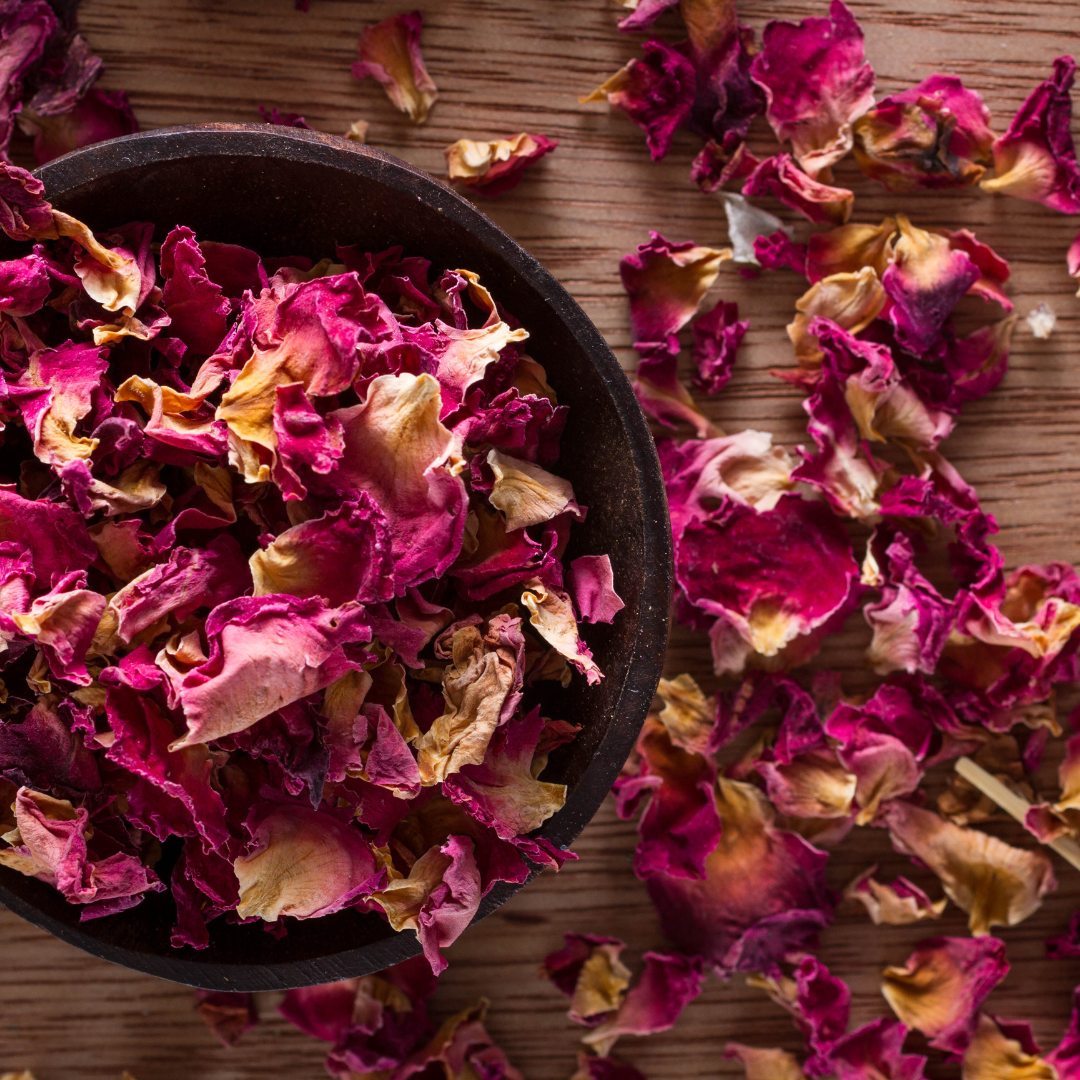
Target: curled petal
[(688, 715), (1035, 159), (875, 1050), (390, 54), (718, 163), (895, 904), (504, 791), (817, 83), (745, 468), (593, 588), (717, 336), (438, 899), (780, 177), (996, 884), (941, 987), (643, 13), (925, 280), (847, 249), (666, 283), (813, 785), (935, 135), (491, 168), (552, 613), (342, 556), (668, 984), (589, 972), (656, 92), (660, 391), (50, 842), (265, 652), (481, 688), (397, 450), (680, 827), (911, 621), (525, 493), (850, 300), (63, 622), (993, 269), (998, 1051)]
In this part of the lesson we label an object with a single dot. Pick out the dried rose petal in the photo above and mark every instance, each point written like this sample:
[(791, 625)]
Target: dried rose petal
[(851, 301), (390, 54), (935, 135), (941, 987), (661, 393), (763, 895), (875, 1049), (850, 248), (680, 826), (244, 679), (303, 863), (817, 83), (724, 569), (688, 715), (656, 92), (717, 336), (820, 1005), (589, 972), (551, 612), (438, 899), (50, 843), (227, 1015), (666, 283), (97, 116), (1035, 159), (593, 588), (925, 280), (764, 1064), (780, 177), (1003, 1049), (668, 984), (461, 1048), (643, 13), (996, 884), (895, 904), (494, 167), (504, 792), (718, 164)]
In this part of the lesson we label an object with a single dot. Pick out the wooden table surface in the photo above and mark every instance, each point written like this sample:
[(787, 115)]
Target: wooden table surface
[(510, 65)]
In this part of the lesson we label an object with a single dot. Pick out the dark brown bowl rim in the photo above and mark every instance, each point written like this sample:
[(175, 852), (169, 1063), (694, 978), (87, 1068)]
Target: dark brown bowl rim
[(172, 143)]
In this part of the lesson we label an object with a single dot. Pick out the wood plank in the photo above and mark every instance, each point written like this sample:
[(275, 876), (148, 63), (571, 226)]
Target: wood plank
[(519, 65)]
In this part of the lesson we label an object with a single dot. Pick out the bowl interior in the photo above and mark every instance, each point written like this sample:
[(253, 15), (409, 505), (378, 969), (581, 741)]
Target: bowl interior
[(285, 192)]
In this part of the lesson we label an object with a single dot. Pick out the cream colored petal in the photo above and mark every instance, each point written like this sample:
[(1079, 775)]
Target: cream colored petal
[(525, 493)]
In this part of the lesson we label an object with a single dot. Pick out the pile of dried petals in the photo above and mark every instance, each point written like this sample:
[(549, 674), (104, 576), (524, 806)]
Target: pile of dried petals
[(740, 796), (377, 1024), (266, 529)]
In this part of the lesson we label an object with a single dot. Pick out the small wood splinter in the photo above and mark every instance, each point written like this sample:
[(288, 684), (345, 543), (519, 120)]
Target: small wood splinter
[(1013, 804)]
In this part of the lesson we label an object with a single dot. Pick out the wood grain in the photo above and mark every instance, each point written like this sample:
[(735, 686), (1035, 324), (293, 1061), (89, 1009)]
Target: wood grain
[(509, 65)]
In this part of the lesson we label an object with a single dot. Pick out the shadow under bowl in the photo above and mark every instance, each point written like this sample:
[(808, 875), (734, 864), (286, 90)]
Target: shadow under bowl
[(282, 191)]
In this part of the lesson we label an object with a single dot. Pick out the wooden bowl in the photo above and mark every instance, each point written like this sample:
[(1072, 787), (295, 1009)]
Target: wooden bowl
[(283, 191)]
